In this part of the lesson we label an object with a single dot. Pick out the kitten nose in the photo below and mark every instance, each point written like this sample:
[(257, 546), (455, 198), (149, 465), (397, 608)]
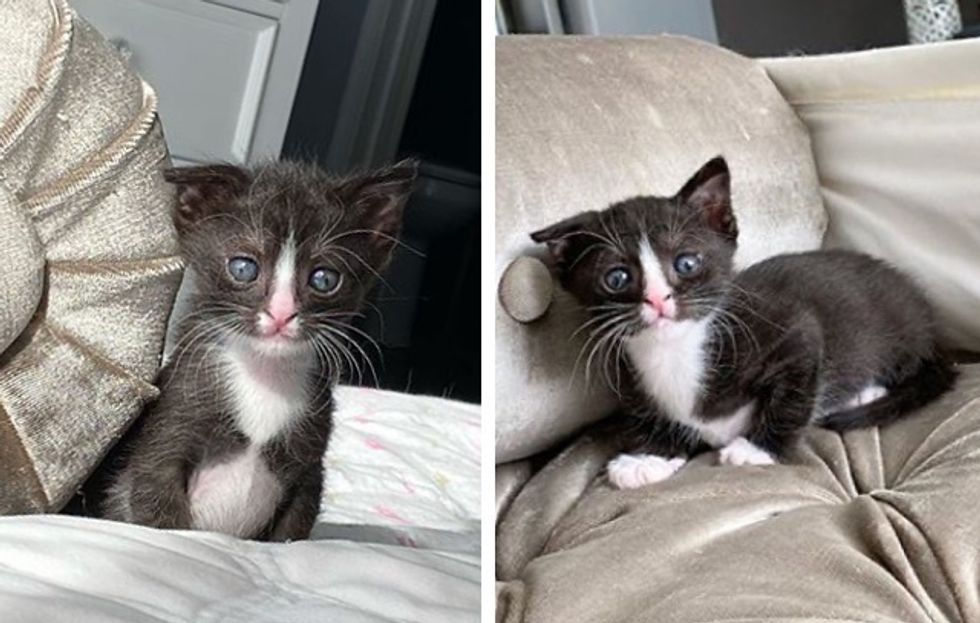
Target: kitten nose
[(282, 308), (280, 321), (663, 304)]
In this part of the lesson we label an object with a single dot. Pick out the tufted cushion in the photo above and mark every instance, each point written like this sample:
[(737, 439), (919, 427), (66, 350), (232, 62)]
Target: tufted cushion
[(875, 525), (88, 265), (585, 121)]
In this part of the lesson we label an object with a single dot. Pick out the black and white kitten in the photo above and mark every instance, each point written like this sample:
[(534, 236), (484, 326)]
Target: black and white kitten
[(283, 256), (742, 361)]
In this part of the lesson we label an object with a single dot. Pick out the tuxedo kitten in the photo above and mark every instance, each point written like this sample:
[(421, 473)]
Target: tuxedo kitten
[(741, 362), (283, 256)]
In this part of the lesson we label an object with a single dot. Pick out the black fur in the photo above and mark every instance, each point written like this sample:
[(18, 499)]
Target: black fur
[(349, 224), (799, 334)]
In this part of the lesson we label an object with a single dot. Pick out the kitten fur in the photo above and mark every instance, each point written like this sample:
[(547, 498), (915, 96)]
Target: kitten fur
[(235, 441), (741, 362)]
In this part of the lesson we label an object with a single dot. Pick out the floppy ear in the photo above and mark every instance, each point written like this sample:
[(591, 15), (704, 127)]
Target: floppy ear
[(201, 190), (564, 235), (379, 197), (709, 191)]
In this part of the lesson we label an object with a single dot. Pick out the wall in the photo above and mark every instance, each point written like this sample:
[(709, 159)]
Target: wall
[(778, 27)]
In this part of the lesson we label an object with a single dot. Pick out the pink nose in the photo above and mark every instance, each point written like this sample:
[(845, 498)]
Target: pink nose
[(282, 309), (656, 301), (663, 304), (278, 322)]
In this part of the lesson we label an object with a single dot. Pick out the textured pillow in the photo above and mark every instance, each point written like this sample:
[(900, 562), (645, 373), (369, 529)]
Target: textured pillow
[(896, 138), (88, 264), (583, 122)]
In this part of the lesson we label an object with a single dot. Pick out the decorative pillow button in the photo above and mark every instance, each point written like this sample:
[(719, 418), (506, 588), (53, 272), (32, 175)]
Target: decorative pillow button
[(526, 289)]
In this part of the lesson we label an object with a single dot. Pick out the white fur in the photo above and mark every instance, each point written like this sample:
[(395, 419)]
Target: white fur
[(653, 272), (670, 362), (720, 431), (630, 471), (866, 396), (283, 278), (237, 496), (741, 451), (655, 285), (268, 392), (285, 270), (669, 358)]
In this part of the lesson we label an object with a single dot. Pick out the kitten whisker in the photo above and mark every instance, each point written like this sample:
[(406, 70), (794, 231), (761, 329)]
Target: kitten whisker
[(367, 265)]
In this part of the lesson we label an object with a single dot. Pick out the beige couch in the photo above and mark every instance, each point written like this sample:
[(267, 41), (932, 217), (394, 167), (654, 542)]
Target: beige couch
[(877, 151)]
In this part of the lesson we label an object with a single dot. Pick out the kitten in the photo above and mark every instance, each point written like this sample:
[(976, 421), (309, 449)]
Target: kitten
[(283, 256), (741, 362)]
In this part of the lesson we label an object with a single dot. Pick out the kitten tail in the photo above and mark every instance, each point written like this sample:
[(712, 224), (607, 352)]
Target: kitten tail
[(933, 377)]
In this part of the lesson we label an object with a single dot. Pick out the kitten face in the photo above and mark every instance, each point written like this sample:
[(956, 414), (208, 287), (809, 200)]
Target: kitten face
[(648, 262), (284, 253)]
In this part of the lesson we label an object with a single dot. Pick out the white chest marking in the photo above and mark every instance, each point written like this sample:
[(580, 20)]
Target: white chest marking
[(268, 392), (238, 496), (670, 362)]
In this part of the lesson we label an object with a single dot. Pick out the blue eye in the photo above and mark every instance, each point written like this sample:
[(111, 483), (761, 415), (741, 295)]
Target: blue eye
[(243, 269), (325, 280), (616, 279), (687, 264)]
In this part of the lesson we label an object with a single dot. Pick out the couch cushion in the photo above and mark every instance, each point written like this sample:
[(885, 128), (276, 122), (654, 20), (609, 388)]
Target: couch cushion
[(896, 138), (583, 122), (872, 525), (81, 159)]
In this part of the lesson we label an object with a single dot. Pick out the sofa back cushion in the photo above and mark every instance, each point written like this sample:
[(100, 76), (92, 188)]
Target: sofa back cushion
[(582, 122), (896, 139)]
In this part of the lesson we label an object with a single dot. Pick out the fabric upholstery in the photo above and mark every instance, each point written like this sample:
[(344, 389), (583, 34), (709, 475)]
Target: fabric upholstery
[(508, 479), (896, 138), (583, 122), (89, 265), (876, 525)]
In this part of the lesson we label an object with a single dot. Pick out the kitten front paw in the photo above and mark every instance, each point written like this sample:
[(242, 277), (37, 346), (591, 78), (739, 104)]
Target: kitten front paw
[(630, 471), (741, 451)]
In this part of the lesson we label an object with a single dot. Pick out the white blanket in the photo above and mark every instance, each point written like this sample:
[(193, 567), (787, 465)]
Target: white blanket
[(403, 469), (56, 568)]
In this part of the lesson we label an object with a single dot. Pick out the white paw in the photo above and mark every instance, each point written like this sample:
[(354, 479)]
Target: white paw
[(741, 451), (629, 471)]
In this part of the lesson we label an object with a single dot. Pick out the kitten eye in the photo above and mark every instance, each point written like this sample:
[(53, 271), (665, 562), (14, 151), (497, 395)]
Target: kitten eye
[(616, 279), (687, 264), (243, 269), (325, 280)]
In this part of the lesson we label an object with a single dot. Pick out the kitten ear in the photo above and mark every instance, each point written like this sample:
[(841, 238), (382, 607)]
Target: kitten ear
[(709, 191), (561, 236), (202, 189), (380, 197)]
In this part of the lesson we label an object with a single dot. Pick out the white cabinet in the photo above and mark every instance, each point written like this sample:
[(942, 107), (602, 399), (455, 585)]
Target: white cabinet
[(226, 71)]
